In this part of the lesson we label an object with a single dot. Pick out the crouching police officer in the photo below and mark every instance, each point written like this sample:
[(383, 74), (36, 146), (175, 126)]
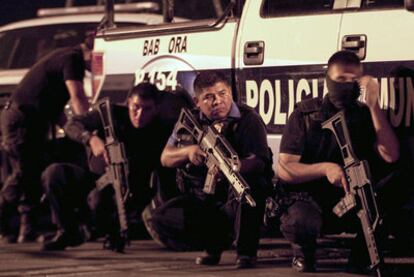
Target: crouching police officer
[(215, 218), (311, 166), (67, 186)]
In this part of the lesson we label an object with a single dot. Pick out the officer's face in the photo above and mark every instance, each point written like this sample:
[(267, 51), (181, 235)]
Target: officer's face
[(141, 112), (342, 85), (344, 73), (215, 101)]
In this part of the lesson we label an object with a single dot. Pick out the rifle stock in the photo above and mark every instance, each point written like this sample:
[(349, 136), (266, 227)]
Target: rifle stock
[(361, 195)]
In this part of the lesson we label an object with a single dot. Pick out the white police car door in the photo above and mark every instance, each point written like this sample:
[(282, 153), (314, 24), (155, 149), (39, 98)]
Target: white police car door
[(282, 51), (380, 31), (170, 58)]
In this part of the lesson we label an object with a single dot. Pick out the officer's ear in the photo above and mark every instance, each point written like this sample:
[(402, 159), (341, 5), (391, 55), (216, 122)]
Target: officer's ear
[(196, 100)]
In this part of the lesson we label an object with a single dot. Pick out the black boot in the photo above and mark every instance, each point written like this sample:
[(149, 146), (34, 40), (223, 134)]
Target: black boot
[(8, 234), (208, 259), (62, 240), (244, 261), (304, 257), (302, 264), (115, 242), (26, 231)]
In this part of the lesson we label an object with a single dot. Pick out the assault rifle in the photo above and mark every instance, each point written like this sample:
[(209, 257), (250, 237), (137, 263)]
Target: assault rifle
[(220, 156), (116, 173), (361, 196)]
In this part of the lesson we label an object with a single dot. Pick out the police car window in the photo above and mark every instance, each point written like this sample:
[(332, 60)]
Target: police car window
[(274, 8), (30, 44), (378, 4), (200, 9), (6, 47), (21, 48)]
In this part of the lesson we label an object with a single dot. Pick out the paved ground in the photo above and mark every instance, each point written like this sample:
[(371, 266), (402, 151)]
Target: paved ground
[(146, 258)]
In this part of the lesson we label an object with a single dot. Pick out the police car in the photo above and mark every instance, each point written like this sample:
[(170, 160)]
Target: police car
[(274, 52)]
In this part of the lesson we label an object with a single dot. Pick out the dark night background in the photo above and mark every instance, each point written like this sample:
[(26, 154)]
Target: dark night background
[(14, 10)]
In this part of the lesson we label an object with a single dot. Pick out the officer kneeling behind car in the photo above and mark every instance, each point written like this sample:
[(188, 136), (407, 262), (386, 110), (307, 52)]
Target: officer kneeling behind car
[(67, 186), (245, 131), (310, 162)]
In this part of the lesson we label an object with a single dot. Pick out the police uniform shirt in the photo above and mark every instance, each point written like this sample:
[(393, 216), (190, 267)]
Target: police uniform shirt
[(317, 145), (43, 87), (246, 133), (234, 113)]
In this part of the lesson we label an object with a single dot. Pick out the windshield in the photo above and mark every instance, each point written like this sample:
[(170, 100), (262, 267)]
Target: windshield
[(21, 48)]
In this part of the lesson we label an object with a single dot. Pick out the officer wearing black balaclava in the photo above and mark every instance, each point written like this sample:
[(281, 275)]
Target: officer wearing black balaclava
[(310, 162), (342, 94)]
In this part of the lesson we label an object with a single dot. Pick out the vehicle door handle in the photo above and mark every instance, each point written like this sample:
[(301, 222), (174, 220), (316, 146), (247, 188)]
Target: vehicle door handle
[(356, 44), (253, 52), (353, 44)]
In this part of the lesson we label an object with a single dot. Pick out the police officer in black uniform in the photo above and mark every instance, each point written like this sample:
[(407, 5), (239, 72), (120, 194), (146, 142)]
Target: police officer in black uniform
[(310, 163), (36, 104), (67, 186), (216, 217)]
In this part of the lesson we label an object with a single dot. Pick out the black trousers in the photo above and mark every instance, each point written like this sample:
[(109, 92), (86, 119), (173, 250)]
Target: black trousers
[(219, 223), (306, 219), (74, 199), (67, 187), (24, 138)]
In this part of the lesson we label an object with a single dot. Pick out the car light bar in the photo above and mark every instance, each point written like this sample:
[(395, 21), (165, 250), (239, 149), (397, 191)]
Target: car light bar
[(130, 7)]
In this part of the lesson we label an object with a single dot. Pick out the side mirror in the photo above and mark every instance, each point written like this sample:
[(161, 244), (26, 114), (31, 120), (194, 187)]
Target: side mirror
[(409, 5)]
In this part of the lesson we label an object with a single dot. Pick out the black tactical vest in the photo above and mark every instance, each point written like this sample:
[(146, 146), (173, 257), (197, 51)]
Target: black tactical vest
[(190, 178), (320, 145)]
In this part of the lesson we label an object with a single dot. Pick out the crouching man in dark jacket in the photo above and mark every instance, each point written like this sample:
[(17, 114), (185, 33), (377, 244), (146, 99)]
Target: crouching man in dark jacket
[(71, 189), (219, 216), (311, 165)]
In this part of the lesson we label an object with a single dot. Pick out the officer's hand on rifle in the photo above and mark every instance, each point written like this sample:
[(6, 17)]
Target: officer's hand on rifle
[(369, 90), (98, 147), (195, 155), (336, 176)]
